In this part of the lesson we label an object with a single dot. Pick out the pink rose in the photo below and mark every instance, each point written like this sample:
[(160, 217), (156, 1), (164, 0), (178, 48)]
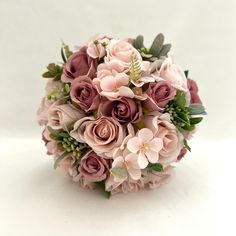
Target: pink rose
[(159, 94), (102, 134), (42, 112), (193, 89), (173, 74), (124, 110), (172, 139), (122, 51), (84, 94), (80, 63), (93, 167), (63, 116)]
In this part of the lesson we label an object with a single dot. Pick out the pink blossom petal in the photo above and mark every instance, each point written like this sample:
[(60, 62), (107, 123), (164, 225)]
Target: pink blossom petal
[(142, 160), (152, 156), (156, 144), (135, 174), (126, 92), (133, 144), (118, 162), (132, 161), (145, 135), (108, 84), (121, 80)]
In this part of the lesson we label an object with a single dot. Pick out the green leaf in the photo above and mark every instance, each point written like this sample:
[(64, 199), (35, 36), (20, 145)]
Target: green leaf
[(164, 51), (60, 158), (64, 135), (155, 167), (197, 109), (189, 127), (186, 73), (180, 99), (195, 120), (47, 74), (63, 55), (186, 145), (68, 52), (138, 42), (157, 44), (102, 187), (119, 172), (146, 55)]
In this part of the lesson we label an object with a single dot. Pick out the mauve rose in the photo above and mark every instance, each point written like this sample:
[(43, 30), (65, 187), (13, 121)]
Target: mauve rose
[(84, 94), (124, 110), (80, 63), (193, 89), (93, 167), (159, 94)]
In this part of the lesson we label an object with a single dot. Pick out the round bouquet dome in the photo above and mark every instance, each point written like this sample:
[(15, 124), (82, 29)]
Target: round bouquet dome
[(117, 115)]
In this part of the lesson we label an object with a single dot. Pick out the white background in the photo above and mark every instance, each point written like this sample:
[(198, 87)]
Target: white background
[(36, 200)]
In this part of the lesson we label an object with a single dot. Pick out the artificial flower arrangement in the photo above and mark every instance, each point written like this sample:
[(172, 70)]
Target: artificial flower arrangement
[(117, 114)]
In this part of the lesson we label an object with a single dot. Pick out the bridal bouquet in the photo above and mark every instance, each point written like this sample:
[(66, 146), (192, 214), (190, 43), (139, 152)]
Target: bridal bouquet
[(117, 114)]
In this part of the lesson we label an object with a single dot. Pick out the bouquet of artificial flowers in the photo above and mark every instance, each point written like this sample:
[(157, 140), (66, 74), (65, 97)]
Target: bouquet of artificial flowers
[(117, 114)]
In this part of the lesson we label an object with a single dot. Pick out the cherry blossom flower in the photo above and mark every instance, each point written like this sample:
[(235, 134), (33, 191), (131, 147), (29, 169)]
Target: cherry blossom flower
[(145, 146)]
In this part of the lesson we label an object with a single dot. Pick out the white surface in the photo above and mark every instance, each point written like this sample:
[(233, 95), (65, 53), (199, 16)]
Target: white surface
[(36, 200)]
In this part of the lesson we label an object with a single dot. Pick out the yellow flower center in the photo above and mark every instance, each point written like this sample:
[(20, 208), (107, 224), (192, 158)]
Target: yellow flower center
[(144, 147)]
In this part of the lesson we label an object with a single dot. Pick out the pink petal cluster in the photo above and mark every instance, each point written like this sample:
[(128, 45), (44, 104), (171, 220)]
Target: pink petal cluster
[(107, 125)]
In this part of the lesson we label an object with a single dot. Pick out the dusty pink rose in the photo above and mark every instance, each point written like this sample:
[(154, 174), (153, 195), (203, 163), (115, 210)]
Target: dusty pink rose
[(173, 74), (84, 94), (124, 110), (159, 94), (122, 51), (103, 134), (80, 63), (63, 116), (193, 89), (168, 133), (93, 167)]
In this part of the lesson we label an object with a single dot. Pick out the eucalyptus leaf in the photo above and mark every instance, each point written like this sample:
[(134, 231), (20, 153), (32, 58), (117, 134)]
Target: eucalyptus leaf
[(197, 109), (165, 49), (157, 45), (60, 158), (138, 42), (47, 74), (54, 132), (143, 54)]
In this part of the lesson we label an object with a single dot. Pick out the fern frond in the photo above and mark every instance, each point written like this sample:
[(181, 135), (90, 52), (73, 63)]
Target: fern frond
[(135, 70)]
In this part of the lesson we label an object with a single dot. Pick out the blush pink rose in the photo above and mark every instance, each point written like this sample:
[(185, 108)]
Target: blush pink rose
[(84, 94), (97, 48), (102, 134), (63, 116), (93, 167), (159, 94), (172, 139), (173, 74), (193, 89), (121, 51), (124, 110), (42, 112), (79, 64)]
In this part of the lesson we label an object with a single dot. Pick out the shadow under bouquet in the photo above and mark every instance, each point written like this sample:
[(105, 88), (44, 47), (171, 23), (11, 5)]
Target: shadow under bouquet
[(117, 115)]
